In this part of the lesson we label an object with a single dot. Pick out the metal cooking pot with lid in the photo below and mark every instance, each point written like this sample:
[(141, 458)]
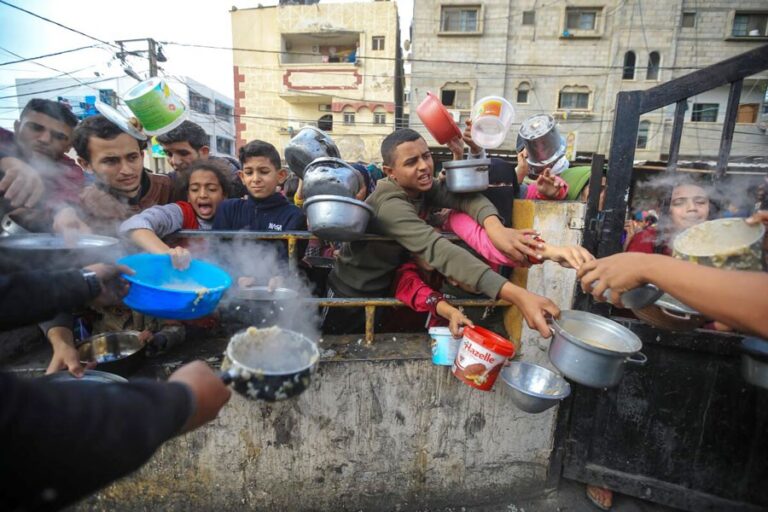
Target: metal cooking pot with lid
[(309, 144), (337, 218), (542, 140), (331, 176), (722, 243), (462, 176), (592, 350)]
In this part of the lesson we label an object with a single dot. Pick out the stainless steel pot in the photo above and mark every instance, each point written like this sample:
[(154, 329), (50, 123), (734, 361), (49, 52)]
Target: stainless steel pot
[(722, 243), (309, 144), (331, 176), (54, 251), (9, 227), (754, 361), (592, 350), (337, 218), (670, 314), (116, 352), (463, 176), (542, 140)]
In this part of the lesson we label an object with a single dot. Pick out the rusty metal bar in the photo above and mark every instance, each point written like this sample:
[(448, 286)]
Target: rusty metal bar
[(370, 314), (293, 258), (392, 302), (274, 235)]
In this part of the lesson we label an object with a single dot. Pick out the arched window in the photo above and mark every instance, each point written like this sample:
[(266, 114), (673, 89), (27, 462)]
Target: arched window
[(325, 123), (349, 115), (654, 60), (629, 66), (379, 116), (642, 134), (522, 92)]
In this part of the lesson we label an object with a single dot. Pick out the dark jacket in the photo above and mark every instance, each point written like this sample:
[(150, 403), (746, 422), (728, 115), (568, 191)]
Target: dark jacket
[(274, 213)]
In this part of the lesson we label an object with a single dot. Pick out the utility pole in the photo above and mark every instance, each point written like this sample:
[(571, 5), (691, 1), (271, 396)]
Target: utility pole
[(152, 53)]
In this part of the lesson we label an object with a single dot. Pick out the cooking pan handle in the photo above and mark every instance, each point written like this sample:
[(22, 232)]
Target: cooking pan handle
[(226, 377), (675, 315), (638, 358)]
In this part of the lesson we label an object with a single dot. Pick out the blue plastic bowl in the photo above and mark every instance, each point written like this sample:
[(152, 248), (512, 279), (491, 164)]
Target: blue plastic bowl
[(160, 290)]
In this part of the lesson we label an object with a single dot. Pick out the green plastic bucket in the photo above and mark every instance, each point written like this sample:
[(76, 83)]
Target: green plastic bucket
[(158, 108)]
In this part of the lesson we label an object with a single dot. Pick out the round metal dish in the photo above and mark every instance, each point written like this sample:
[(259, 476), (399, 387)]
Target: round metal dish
[(117, 352), (337, 218), (91, 377), (264, 294), (463, 176), (722, 243), (52, 242), (533, 388)]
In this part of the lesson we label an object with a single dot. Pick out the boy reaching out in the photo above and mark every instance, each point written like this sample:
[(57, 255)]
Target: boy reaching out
[(401, 203)]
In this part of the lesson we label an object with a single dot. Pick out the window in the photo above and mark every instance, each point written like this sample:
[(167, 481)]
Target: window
[(325, 123), (574, 98), (654, 59), (704, 112), (689, 20), (349, 118), (379, 118), (460, 19), (629, 66), (750, 24), (522, 92), (223, 111), (324, 107), (199, 103), (457, 96), (224, 145), (581, 19), (406, 120), (377, 43), (529, 17), (406, 96), (642, 134), (747, 113)]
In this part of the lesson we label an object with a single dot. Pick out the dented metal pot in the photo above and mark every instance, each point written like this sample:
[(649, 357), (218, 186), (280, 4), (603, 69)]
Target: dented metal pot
[(331, 176), (309, 144), (463, 176)]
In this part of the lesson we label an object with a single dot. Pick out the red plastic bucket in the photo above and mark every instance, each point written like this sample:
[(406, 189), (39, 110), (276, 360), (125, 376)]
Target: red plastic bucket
[(481, 356), (437, 119)]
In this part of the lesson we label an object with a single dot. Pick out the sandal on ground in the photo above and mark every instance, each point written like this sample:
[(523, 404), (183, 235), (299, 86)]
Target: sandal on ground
[(600, 497)]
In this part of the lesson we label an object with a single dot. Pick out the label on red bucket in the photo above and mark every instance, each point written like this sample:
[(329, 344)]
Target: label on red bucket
[(476, 364)]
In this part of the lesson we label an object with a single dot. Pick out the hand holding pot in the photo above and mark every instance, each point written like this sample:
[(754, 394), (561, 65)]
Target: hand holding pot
[(456, 145), (619, 272), (113, 286), (19, 183), (535, 308), (210, 393)]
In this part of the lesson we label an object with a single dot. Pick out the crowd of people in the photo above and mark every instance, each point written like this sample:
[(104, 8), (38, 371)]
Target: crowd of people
[(107, 190)]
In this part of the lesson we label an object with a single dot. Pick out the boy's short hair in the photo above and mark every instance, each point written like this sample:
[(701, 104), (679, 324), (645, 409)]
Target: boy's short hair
[(100, 127), (52, 109), (216, 166), (394, 139), (260, 148), (186, 132)]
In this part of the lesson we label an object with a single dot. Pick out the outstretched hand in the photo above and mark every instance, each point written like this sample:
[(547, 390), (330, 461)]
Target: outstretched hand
[(619, 272)]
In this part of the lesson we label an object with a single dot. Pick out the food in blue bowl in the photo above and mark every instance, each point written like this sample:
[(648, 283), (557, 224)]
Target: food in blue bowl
[(160, 290)]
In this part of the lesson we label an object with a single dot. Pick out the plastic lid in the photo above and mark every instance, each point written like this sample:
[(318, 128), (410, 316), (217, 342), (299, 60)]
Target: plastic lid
[(490, 340)]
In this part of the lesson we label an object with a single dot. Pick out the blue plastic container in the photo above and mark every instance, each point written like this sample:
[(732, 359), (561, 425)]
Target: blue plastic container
[(444, 346), (160, 290)]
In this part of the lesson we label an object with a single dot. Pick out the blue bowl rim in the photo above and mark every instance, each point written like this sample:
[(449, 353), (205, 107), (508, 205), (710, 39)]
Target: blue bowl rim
[(134, 279)]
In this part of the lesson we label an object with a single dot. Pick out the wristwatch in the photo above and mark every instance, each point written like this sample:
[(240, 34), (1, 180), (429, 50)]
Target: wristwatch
[(93, 282)]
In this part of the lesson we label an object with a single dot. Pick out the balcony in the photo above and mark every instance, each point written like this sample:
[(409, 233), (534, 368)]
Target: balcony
[(324, 48)]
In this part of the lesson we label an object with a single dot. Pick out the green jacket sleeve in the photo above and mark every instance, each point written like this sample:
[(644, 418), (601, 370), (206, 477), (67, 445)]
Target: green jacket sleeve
[(476, 206), (399, 220)]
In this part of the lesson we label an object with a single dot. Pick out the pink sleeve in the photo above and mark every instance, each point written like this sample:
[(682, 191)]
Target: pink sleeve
[(475, 236), (533, 190)]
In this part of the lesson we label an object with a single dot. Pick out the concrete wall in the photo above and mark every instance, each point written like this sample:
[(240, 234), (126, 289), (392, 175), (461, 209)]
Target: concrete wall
[(508, 53), (381, 428)]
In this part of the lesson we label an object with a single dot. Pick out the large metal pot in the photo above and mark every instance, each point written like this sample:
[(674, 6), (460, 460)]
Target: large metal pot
[(337, 218), (309, 144), (331, 176), (269, 364), (467, 175), (258, 306), (54, 251), (670, 314), (543, 141), (754, 361), (722, 243), (592, 350), (120, 352)]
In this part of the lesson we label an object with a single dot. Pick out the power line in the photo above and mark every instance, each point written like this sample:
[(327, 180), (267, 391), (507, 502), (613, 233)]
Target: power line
[(6, 63), (56, 23), (59, 88)]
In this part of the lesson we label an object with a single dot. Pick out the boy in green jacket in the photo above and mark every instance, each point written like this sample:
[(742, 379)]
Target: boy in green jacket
[(400, 203)]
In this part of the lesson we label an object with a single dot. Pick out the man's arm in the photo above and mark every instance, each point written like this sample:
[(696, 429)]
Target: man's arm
[(735, 298)]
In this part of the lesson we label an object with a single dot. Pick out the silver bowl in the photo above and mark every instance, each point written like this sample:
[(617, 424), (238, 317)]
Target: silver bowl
[(117, 352), (533, 388), (337, 218), (462, 176), (90, 377), (331, 176)]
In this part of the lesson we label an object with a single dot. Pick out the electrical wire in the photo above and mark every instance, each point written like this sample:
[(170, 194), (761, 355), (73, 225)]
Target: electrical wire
[(8, 62)]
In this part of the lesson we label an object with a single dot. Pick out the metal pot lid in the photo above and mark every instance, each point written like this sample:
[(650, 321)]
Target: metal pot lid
[(90, 376), (668, 302), (264, 294), (755, 347), (536, 126), (718, 238), (476, 164), (52, 242), (596, 333), (336, 199)]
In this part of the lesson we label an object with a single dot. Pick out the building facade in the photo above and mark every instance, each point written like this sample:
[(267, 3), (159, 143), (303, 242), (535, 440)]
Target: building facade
[(333, 66), (571, 59)]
